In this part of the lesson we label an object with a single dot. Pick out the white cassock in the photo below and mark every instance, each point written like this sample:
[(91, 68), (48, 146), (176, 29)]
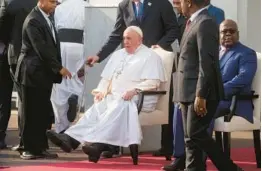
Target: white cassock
[(68, 15), (113, 120)]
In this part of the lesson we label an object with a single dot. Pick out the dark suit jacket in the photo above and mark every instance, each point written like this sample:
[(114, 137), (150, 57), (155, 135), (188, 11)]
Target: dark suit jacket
[(40, 61), (12, 16), (181, 20), (217, 13), (159, 25), (198, 68)]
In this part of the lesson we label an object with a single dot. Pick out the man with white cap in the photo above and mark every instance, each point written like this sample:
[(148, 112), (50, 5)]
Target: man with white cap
[(113, 119), (69, 21)]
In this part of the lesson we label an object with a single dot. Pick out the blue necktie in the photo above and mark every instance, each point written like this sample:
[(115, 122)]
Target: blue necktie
[(139, 12)]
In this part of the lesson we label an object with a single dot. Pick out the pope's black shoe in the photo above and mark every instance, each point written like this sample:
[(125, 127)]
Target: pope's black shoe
[(60, 140)]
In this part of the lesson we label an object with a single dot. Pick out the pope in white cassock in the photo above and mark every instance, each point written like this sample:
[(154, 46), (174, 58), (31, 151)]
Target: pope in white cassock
[(113, 118), (69, 21)]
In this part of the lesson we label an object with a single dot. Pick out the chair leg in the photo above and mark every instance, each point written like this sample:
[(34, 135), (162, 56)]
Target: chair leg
[(218, 136), (257, 146), (227, 143), (134, 153), (121, 151)]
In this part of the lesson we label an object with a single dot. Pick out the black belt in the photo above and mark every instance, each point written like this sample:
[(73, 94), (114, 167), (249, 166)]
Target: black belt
[(71, 35)]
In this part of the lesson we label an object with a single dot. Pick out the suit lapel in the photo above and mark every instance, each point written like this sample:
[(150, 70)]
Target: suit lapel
[(225, 58), (147, 5), (187, 33), (191, 28), (131, 10), (45, 23)]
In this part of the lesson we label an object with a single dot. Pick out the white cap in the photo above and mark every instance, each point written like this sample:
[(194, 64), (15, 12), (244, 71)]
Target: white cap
[(136, 29)]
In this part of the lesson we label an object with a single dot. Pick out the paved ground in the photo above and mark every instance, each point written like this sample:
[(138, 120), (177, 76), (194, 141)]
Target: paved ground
[(10, 158)]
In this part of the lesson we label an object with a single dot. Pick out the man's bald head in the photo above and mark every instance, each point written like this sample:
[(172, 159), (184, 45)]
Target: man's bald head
[(133, 36), (229, 34)]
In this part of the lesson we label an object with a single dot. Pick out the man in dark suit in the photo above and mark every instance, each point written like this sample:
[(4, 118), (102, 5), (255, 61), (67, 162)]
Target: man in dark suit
[(38, 67), (199, 88), (159, 25), (146, 14), (12, 16), (181, 19), (179, 153)]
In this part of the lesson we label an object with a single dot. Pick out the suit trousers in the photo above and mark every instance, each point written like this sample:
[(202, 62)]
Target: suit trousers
[(35, 118), (197, 139), (167, 129), (6, 88)]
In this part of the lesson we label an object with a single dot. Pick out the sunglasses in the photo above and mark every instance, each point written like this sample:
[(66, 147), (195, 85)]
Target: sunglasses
[(231, 31)]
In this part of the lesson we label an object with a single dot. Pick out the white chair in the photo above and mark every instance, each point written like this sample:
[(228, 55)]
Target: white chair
[(231, 123), (160, 115)]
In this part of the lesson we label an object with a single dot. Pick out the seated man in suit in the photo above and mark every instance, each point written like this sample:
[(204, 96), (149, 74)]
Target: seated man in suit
[(238, 65)]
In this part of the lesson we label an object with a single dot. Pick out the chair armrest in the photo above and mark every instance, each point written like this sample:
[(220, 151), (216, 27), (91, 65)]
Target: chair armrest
[(235, 99), (141, 95)]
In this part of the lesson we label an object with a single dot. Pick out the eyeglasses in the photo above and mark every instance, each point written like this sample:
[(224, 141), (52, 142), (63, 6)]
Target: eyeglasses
[(231, 31)]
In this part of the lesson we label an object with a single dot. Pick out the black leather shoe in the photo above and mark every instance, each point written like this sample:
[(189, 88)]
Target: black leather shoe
[(26, 155), (107, 154), (72, 110), (3, 145), (60, 140), (111, 152), (172, 167), (49, 155), (177, 165), (93, 152), (164, 153)]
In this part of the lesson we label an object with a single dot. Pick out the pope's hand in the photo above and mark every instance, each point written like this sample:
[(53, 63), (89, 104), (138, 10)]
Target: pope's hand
[(65, 73), (91, 60), (200, 106), (98, 97), (128, 95)]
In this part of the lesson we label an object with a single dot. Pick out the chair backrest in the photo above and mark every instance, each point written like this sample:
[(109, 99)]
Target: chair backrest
[(168, 59), (256, 86)]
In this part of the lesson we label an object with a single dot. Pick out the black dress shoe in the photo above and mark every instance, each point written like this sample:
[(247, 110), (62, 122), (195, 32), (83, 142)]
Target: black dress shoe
[(112, 151), (26, 155), (177, 165), (17, 148), (172, 167), (93, 152), (60, 140), (72, 110), (49, 155), (107, 154), (3, 145), (164, 153)]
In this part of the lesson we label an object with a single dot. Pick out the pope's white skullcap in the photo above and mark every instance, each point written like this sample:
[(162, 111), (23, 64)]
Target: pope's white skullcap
[(136, 29)]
